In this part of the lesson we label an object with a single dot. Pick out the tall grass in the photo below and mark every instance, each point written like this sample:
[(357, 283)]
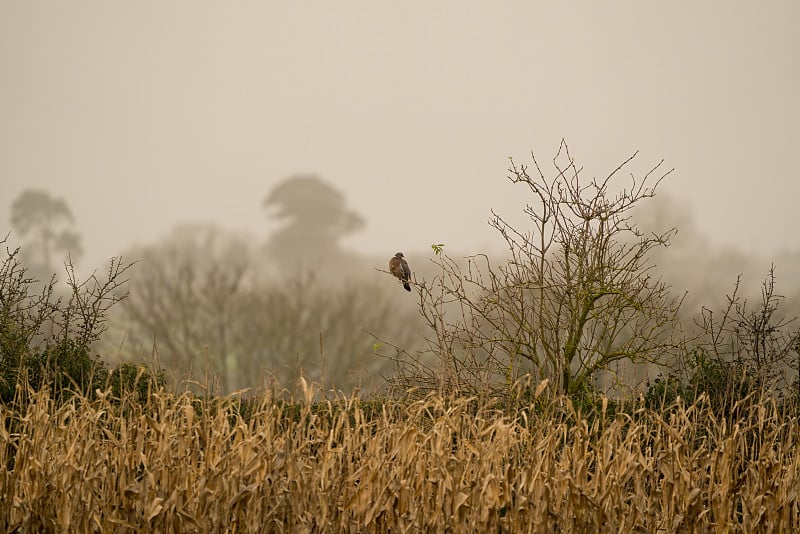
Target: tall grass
[(180, 463)]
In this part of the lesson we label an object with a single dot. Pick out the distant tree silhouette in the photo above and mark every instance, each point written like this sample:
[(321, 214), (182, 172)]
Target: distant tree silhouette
[(315, 216), (41, 219)]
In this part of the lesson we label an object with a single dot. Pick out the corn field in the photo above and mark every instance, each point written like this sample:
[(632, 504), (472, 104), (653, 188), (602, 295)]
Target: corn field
[(179, 463)]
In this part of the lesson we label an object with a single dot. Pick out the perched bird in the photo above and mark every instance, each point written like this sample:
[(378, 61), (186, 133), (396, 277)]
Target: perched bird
[(398, 266)]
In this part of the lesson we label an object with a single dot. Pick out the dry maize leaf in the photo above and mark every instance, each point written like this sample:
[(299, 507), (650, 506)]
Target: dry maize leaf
[(154, 508)]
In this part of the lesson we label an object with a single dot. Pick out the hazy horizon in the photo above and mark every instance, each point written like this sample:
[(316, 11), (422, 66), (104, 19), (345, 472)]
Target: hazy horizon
[(145, 116)]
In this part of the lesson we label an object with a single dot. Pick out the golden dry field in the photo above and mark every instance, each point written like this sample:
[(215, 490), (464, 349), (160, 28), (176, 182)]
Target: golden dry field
[(183, 464)]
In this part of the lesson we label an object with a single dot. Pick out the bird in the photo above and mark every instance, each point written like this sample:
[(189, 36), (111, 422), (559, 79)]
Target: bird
[(398, 266)]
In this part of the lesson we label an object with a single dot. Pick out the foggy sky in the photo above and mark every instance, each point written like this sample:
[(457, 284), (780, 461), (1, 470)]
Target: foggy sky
[(145, 115)]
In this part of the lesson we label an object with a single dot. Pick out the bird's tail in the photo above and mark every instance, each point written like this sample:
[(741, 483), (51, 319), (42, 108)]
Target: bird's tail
[(405, 285)]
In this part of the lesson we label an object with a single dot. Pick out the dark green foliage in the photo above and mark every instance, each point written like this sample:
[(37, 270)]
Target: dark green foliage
[(723, 382), (66, 368), (664, 392), (727, 387), (135, 381)]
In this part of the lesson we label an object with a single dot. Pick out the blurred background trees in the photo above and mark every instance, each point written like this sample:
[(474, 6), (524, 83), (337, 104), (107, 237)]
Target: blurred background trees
[(45, 224), (314, 218), (212, 304), (188, 296), (578, 293)]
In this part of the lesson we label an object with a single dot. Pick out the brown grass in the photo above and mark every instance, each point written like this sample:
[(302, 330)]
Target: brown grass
[(181, 464)]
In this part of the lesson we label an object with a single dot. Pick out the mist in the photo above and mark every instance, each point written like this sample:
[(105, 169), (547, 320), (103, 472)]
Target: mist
[(146, 120), (144, 117)]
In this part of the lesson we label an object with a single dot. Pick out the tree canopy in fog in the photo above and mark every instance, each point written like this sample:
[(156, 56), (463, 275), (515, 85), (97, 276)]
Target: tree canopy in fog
[(315, 217), (43, 221)]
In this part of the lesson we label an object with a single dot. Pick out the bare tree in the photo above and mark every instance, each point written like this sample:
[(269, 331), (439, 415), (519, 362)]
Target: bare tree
[(186, 297), (576, 296)]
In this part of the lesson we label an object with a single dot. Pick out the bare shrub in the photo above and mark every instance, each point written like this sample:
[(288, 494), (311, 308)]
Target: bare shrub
[(746, 349), (46, 338)]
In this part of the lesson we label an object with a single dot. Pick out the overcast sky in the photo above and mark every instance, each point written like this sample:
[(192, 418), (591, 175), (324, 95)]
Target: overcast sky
[(143, 115)]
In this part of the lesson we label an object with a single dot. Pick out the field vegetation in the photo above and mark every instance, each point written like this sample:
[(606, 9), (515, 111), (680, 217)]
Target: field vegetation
[(179, 463)]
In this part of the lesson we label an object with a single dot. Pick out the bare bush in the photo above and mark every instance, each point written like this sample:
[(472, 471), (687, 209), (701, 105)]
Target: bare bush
[(45, 337)]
